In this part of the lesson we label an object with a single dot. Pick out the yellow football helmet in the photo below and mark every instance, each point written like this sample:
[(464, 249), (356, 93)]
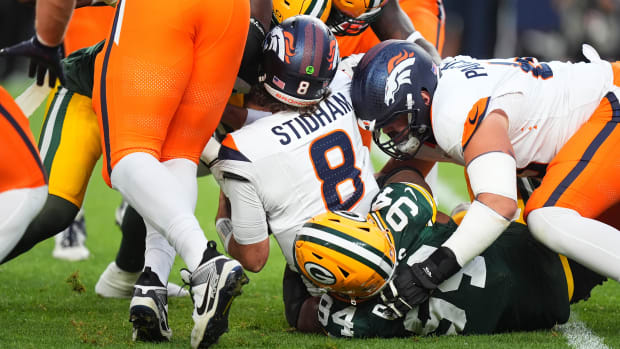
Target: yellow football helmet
[(351, 17), (344, 253), (283, 9)]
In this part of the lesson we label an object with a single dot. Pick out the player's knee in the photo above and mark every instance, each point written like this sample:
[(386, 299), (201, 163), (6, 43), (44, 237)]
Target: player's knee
[(56, 215), (542, 222)]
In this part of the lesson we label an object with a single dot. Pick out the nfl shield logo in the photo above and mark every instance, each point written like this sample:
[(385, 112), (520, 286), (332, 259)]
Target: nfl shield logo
[(278, 82)]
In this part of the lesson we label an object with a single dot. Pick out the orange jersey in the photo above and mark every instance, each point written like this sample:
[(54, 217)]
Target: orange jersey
[(20, 164), (88, 26), (162, 80), (427, 16)]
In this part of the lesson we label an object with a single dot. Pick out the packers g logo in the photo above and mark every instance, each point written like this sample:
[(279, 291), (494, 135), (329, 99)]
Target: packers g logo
[(399, 73), (280, 42), (320, 274)]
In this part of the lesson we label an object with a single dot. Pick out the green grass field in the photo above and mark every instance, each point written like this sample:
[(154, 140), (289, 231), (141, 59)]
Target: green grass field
[(48, 303)]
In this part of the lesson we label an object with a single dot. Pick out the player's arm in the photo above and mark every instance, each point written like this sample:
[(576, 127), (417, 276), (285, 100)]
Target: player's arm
[(44, 49), (244, 235), (393, 23), (51, 19), (491, 167)]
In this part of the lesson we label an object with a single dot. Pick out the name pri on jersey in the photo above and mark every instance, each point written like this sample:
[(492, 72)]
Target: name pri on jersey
[(281, 43), (327, 112), (471, 69), (399, 73)]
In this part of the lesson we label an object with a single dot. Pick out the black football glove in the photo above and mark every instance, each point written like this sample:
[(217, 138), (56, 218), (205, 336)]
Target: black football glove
[(42, 59), (413, 285)]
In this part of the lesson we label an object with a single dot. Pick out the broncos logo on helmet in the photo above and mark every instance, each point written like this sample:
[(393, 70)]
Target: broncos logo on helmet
[(280, 42), (399, 70)]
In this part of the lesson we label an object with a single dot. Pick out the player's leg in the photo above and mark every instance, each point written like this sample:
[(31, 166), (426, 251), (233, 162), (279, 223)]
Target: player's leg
[(580, 184), (300, 307), (23, 184), (70, 147), (196, 119)]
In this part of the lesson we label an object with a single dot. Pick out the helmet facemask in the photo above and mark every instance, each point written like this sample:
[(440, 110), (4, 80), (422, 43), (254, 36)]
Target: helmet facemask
[(342, 24), (403, 144)]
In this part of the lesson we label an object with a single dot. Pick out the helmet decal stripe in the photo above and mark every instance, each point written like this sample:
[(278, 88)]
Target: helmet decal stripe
[(359, 255), (318, 51), (353, 246), (308, 48), (313, 9)]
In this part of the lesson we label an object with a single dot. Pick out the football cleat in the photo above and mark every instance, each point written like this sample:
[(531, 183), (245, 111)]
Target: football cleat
[(148, 311), (69, 243), (213, 285), (114, 282)]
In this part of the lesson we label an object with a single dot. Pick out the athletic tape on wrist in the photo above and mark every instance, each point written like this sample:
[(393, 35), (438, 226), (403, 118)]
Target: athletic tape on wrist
[(223, 227), (494, 173)]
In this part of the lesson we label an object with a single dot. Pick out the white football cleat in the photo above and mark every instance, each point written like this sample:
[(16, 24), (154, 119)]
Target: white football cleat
[(114, 282), (214, 285), (148, 311), (70, 243)]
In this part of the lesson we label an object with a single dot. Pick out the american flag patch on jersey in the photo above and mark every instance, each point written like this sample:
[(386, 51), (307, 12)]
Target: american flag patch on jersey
[(278, 82)]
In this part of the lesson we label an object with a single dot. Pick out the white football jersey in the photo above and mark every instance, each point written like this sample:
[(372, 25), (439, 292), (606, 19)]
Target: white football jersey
[(298, 166), (546, 103)]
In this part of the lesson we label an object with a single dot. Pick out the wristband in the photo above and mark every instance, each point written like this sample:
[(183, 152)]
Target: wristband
[(223, 227)]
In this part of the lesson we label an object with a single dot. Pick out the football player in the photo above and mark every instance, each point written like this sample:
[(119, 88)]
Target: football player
[(499, 117), (23, 182), (306, 158), (354, 257), (389, 19)]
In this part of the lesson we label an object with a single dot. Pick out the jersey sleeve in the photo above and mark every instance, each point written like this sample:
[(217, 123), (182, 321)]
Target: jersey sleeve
[(80, 69)]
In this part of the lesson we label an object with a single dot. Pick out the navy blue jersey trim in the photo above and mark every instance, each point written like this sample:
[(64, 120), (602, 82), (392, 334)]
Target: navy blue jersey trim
[(590, 151), (103, 92), (227, 153), (31, 147)]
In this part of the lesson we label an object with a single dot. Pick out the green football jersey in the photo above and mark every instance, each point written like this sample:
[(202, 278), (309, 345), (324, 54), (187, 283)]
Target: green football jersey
[(80, 69), (516, 284)]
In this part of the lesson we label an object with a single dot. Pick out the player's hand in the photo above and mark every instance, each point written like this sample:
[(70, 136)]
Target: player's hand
[(42, 59), (404, 291), (413, 285)]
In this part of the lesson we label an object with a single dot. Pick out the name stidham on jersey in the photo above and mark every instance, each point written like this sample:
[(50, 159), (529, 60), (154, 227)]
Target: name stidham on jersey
[(302, 125)]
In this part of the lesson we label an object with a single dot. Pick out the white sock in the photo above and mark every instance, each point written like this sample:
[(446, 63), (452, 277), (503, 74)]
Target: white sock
[(17, 209), (589, 242), (163, 198), (159, 255)]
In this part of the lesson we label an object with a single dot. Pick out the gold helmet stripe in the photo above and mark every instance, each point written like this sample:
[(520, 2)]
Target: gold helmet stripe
[(349, 246)]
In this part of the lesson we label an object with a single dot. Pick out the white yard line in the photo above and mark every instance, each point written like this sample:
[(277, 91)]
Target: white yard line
[(579, 336)]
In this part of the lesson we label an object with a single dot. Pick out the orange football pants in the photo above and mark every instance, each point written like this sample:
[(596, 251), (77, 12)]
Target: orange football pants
[(20, 164), (427, 16), (583, 176), (165, 74), (88, 26)]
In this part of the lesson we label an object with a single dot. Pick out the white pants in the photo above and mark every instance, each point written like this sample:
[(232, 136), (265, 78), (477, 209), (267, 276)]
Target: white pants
[(17, 209)]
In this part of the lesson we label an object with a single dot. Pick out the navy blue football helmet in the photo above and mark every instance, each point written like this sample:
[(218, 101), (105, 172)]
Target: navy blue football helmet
[(300, 58), (387, 87)]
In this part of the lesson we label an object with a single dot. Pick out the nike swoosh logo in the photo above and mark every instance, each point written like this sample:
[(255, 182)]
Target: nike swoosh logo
[(473, 121), (201, 309)]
